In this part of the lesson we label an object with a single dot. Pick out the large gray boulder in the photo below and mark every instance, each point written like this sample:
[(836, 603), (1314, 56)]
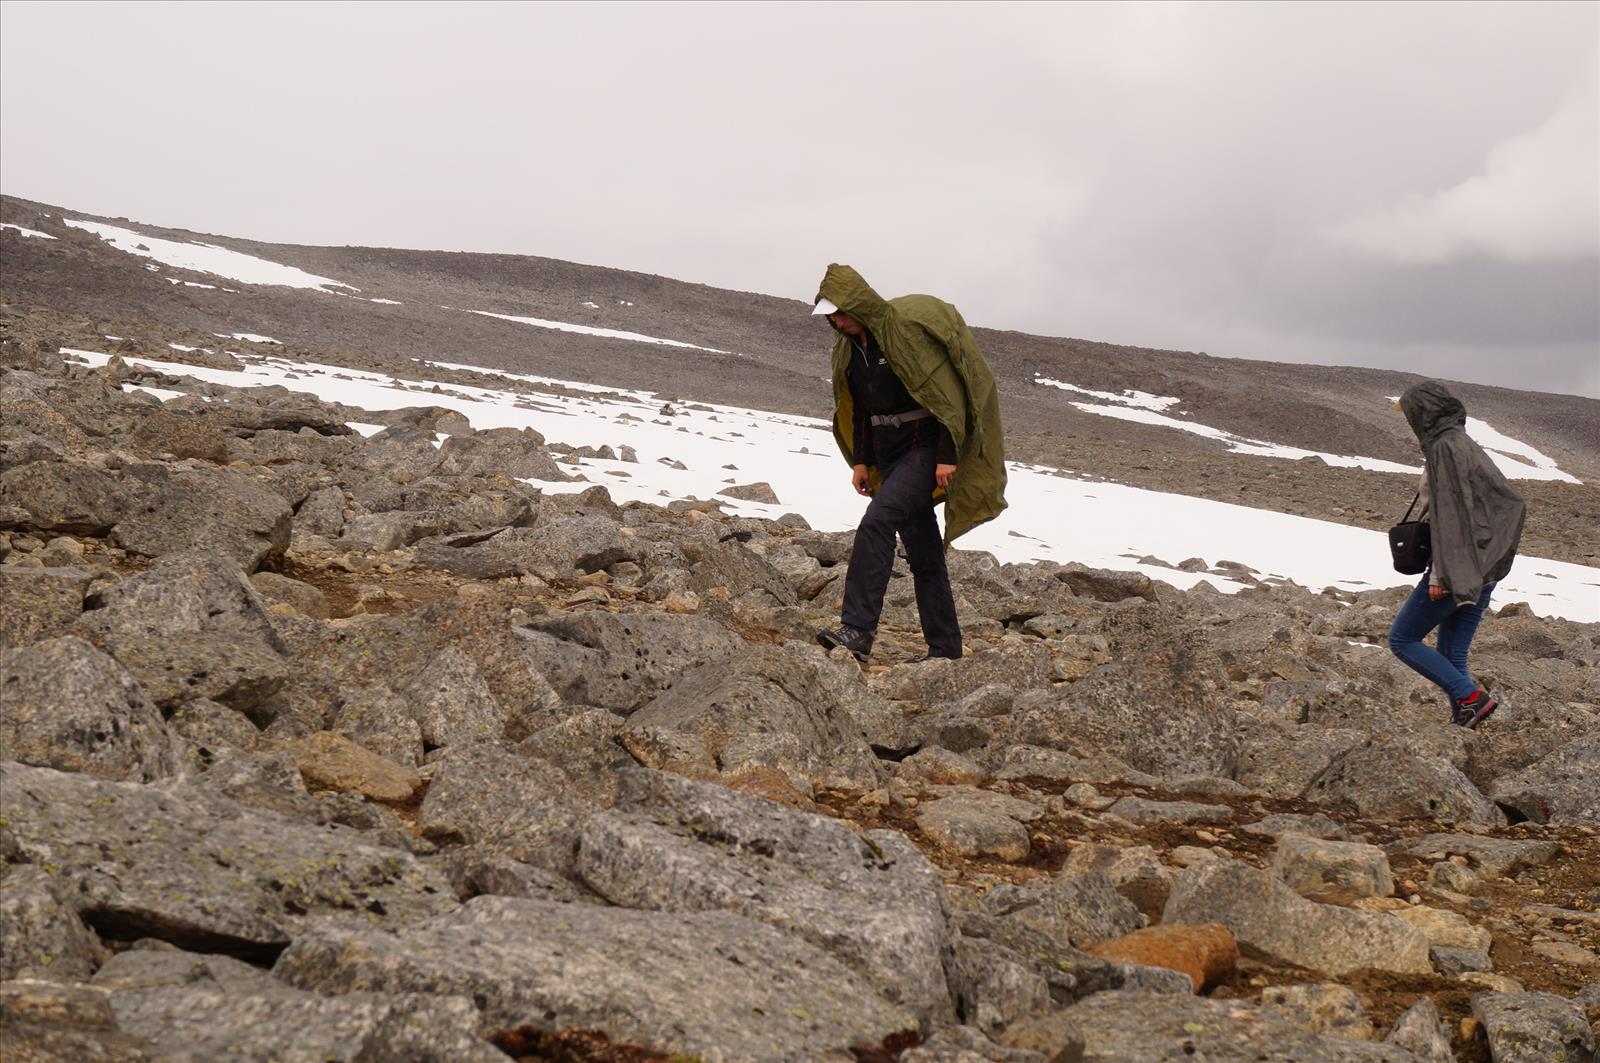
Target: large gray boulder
[(1135, 870), (1533, 1027), (1421, 1032), (39, 603), (1559, 788), (44, 937), (736, 570), (711, 985), (66, 705), (215, 1007), (1494, 857), (872, 900), (1106, 585), (1135, 1027), (322, 513), (1271, 920), (1162, 705), (1006, 971), (571, 546), (196, 593), (1282, 759), (1388, 778), (1079, 910), (763, 707), (585, 746), (192, 626), (380, 532), (618, 661), (222, 511), (184, 864), (1332, 872), (45, 1022), (522, 808), (556, 547), (60, 496), (452, 702), (500, 452), (944, 681)]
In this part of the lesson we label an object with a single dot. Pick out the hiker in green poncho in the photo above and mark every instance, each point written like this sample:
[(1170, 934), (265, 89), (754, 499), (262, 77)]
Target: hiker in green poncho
[(917, 418)]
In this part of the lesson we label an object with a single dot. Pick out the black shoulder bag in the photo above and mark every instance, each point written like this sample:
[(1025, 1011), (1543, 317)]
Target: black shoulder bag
[(1411, 543)]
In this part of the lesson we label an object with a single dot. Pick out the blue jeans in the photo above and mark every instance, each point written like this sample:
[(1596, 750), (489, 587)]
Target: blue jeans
[(1445, 667)]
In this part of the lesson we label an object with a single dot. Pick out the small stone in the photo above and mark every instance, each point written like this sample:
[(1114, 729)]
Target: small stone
[(1449, 875), (1052, 1036), (1420, 1032), (1494, 983), (1446, 929), (1565, 952), (1206, 952), (1332, 872), (1533, 1027), (1324, 1008), (969, 829), (1086, 796), (330, 761), (1137, 872), (1451, 962)]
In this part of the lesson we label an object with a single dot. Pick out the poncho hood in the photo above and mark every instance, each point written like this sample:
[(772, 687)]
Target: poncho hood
[(1475, 513), (936, 357), (1432, 411)]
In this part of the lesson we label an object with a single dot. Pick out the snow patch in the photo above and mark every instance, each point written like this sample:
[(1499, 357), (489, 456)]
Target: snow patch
[(27, 232), (589, 330), (248, 337), (385, 302), (1241, 445), (161, 393), (1509, 455), (206, 258), (1128, 397)]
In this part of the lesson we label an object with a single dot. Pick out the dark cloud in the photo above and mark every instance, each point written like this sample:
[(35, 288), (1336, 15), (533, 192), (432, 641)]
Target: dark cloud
[(1401, 185)]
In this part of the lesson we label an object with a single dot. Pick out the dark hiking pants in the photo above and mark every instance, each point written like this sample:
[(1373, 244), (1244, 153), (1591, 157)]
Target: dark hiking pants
[(903, 505)]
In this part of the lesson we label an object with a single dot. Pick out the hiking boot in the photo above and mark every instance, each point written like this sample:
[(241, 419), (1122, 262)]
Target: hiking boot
[(925, 658), (1470, 712), (853, 639)]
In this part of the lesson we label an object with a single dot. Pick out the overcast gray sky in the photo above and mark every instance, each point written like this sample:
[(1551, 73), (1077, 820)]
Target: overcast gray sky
[(1411, 186)]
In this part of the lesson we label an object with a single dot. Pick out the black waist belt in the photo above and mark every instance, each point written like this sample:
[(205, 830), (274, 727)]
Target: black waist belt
[(895, 420)]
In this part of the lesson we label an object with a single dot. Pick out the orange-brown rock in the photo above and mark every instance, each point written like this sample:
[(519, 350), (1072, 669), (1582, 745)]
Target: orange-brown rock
[(330, 761), (1206, 952)]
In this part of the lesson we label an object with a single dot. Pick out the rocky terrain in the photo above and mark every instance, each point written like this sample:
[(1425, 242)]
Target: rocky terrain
[(319, 746), (765, 352)]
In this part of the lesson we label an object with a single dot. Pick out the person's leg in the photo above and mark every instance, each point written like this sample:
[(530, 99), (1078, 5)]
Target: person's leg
[(1418, 616), (903, 486), (936, 606), (1455, 633)]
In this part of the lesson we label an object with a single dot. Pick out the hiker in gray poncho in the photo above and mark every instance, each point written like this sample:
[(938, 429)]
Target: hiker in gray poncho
[(1475, 520)]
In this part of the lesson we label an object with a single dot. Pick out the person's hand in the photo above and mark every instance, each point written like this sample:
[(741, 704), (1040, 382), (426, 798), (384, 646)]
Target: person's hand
[(1436, 592), (861, 480), (943, 474)]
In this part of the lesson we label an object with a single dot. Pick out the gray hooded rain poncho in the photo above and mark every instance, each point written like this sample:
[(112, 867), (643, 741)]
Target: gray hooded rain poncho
[(1476, 516)]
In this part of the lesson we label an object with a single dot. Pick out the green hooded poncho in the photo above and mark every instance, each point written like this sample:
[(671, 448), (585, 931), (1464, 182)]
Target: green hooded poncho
[(1475, 515), (933, 353)]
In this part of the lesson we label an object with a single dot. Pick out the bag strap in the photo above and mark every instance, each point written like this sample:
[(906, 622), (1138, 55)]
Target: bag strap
[(1406, 519)]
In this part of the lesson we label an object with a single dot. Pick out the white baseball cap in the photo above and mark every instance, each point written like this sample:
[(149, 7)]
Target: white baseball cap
[(823, 307)]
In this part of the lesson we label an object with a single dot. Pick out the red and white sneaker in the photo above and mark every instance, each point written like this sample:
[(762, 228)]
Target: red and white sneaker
[(1470, 712)]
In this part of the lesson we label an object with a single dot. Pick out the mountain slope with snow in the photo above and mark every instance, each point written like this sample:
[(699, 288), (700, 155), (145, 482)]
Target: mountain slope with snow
[(1304, 441)]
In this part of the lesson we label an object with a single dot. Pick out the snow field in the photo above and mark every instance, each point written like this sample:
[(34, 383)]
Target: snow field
[(207, 258), (1053, 516), (1507, 453)]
